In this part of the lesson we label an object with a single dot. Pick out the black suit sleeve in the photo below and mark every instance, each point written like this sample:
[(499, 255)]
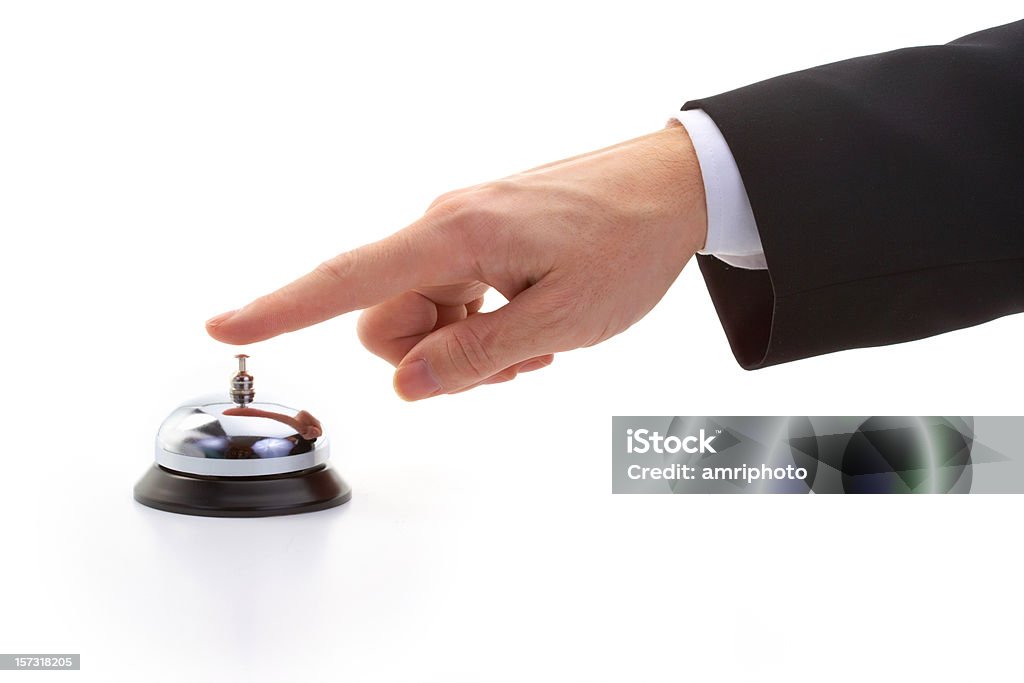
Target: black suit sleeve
[(888, 192)]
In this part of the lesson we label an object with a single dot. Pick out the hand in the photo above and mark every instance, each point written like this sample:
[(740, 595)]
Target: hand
[(581, 248)]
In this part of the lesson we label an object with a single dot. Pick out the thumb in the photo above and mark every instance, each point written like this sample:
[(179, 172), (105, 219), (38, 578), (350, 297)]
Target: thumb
[(471, 350)]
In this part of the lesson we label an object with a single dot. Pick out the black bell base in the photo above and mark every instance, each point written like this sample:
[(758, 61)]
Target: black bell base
[(316, 488)]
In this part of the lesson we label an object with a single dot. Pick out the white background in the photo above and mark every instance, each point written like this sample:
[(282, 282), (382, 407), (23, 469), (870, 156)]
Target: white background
[(162, 162)]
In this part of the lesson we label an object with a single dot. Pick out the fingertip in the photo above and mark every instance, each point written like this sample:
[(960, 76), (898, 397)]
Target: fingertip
[(221, 333), (220, 319), (416, 381), (225, 328), (215, 326)]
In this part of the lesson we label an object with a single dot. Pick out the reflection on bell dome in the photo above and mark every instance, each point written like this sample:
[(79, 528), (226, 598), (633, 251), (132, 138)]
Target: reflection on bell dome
[(272, 448)]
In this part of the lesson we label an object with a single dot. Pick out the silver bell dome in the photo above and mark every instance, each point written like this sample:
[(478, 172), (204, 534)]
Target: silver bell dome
[(235, 435)]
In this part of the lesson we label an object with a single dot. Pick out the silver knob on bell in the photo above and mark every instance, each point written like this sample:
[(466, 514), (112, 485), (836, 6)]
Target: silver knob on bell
[(242, 389)]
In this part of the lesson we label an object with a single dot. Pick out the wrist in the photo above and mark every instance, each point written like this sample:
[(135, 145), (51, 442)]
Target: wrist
[(686, 185)]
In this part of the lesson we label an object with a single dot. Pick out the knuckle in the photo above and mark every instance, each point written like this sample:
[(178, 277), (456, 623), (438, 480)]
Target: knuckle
[(367, 329), (476, 224), (567, 316), (462, 209), (480, 221), (444, 199), (484, 206), (467, 352), (561, 307), (335, 270)]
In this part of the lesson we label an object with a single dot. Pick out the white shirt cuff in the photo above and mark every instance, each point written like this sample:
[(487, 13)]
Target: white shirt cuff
[(732, 231)]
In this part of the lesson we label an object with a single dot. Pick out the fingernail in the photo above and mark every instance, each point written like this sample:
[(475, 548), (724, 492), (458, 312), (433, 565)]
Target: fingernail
[(218, 319), (416, 380), (532, 365)]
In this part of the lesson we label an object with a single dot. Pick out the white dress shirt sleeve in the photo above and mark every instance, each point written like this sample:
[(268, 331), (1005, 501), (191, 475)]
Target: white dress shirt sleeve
[(732, 231)]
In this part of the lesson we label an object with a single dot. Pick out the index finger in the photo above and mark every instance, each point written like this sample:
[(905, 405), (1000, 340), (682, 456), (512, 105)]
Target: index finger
[(417, 256)]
